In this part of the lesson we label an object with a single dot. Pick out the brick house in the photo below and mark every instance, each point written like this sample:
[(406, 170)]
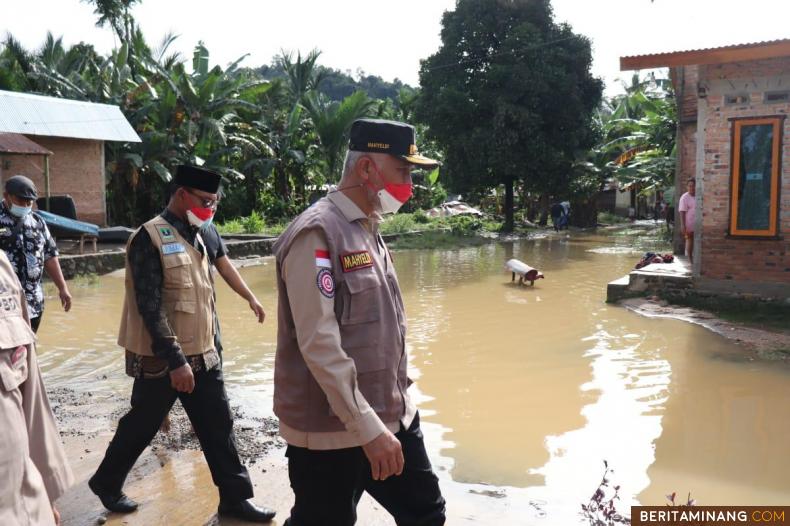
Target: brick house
[(734, 140), (71, 136)]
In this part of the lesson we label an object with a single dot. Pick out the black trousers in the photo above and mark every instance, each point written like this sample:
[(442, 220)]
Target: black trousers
[(35, 322), (328, 485), (208, 410)]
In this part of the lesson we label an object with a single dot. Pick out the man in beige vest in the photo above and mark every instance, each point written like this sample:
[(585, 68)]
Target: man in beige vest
[(340, 383), (168, 331), (33, 465)]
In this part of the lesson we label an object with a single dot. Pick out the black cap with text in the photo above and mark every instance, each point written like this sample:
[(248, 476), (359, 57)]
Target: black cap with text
[(390, 137)]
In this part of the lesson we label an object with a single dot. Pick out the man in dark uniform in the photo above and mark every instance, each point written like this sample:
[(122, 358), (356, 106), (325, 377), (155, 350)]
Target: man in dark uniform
[(26, 241), (167, 329)]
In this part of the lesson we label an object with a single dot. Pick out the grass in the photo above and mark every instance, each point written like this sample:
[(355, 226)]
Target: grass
[(436, 239), (252, 224), (447, 231)]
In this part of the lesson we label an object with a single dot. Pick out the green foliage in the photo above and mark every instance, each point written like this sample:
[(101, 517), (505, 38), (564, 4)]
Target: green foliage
[(253, 223), (464, 225), (336, 85), (401, 223), (509, 97), (436, 240), (420, 217), (425, 197), (637, 145), (276, 142), (332, 121), (233, 226)]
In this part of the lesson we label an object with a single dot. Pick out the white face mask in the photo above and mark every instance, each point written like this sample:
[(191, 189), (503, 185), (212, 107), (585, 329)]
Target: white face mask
[(388, 203), (20, 211), (392, 196)]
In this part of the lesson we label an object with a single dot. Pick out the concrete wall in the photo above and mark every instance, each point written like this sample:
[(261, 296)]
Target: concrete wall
[(76, 168), (723, 257)]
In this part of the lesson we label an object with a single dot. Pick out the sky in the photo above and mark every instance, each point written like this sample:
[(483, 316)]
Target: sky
[(388, 38)]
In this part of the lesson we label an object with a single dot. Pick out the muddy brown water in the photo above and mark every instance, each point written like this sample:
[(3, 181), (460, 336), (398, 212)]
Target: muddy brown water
[(523, 391)]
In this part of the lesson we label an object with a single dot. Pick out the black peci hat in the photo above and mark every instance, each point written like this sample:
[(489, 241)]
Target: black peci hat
[(391, 137), (21, 186), (197, 178)]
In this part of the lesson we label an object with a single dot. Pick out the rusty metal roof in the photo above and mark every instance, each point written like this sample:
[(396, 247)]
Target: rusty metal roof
[(713, 55), (15, 143), (54, 117)]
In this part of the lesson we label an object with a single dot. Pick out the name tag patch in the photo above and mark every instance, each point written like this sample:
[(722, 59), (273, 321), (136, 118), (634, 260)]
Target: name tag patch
[(172, 248), (166, 233), (356, 260), (326, 283)]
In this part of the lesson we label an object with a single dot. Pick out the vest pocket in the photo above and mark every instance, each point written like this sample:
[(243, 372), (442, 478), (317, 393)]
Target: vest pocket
[(181, 315), (177, 271), (360, 297), (368, 358)]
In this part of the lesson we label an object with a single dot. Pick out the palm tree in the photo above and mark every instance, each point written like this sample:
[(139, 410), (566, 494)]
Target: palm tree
[(115, 13), (303, 74), (332, 121)]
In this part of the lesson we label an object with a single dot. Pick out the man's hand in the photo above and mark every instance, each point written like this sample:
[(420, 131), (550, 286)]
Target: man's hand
[(182, 379), (385, 455), (65, 298), (257, 308), (56, 514)]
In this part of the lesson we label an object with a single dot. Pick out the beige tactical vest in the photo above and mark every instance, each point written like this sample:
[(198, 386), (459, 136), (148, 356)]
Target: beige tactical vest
[(187, 294), (372, 321)]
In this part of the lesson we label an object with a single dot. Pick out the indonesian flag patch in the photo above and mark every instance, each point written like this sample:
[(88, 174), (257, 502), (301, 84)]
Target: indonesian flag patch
[(322, 259)]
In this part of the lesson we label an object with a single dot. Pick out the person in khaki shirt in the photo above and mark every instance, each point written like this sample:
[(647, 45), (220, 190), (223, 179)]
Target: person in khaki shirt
[(340, 370), (33, 466)]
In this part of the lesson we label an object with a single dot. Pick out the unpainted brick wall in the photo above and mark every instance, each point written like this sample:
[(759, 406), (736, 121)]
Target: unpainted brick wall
[(75, 168), (725, 257)]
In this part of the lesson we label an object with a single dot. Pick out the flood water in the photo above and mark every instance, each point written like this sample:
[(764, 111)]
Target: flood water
[(523, 391)]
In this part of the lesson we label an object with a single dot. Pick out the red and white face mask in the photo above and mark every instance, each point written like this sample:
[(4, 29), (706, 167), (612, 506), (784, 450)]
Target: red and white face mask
[(199, 216), (392, 196)]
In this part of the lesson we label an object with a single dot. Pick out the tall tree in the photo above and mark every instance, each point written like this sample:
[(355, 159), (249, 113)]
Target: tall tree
[(509, 96), (117, 14)]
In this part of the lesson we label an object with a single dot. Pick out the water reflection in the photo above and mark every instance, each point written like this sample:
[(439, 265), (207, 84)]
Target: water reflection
[(525, 389)]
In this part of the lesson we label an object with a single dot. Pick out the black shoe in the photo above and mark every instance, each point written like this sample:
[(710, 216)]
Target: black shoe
[(117, 502), (245, 510)]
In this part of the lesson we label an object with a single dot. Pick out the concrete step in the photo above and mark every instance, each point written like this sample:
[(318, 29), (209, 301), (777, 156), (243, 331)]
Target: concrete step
[(617, 289)]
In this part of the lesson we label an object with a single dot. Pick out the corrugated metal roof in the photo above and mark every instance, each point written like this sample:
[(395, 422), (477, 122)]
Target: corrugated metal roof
[(15, 143), (53, 117), (710, 55)]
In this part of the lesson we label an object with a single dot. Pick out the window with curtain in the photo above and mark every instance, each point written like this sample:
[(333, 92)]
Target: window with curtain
[(755, 176)]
